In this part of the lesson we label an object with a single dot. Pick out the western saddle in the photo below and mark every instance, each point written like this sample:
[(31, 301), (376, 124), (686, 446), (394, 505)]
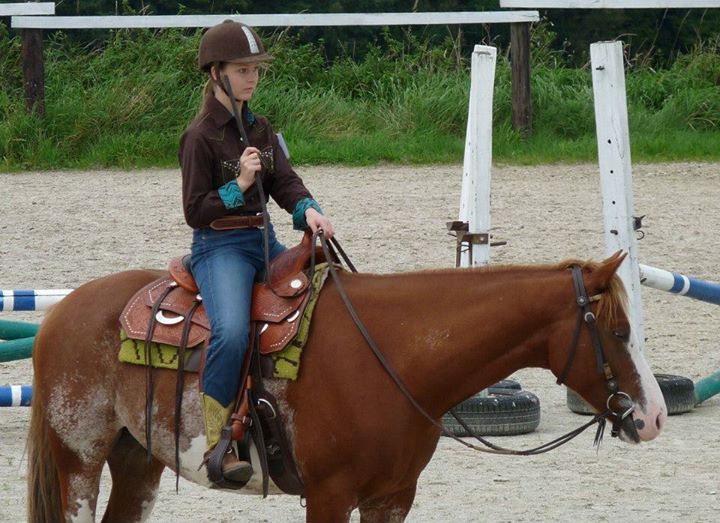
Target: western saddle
[(169, 311)]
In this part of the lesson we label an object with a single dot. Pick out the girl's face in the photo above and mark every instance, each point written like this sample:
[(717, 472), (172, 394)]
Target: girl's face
[(243, 79)]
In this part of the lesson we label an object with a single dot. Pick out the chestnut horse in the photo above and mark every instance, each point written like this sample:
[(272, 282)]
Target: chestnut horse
[(358, 442)]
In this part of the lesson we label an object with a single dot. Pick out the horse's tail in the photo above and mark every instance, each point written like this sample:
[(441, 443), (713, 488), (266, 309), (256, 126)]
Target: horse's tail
[(43, 483)]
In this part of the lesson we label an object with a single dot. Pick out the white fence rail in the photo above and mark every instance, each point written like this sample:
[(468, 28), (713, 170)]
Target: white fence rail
[(27, 8), (609, 4), (274, 20)]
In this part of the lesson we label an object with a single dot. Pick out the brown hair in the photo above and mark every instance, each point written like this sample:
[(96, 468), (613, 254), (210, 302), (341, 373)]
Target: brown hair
[(207, 93)]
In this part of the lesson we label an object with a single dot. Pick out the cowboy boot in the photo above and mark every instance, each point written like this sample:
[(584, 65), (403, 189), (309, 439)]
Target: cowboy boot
[(216, 417)]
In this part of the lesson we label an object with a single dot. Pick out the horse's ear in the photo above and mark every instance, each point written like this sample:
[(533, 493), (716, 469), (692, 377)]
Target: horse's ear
[(599, 279)]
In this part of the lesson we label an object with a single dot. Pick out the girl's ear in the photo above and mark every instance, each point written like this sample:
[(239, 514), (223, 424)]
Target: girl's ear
[(214, 72)]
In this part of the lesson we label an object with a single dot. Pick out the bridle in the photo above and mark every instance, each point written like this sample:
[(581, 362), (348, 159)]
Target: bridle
[(585, 316)]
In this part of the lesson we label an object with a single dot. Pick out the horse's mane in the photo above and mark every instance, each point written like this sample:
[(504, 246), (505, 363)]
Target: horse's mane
[(612, 302)]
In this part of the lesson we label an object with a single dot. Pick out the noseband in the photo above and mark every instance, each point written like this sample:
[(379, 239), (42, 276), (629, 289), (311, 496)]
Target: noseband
[(587, 316)]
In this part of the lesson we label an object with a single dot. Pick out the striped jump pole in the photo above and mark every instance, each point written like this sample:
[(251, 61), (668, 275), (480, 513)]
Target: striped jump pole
[(694, 288), (15, 395), (680, 284), (31, 299)]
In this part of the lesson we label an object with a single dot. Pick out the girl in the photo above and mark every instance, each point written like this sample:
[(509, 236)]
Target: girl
[(219, 181)]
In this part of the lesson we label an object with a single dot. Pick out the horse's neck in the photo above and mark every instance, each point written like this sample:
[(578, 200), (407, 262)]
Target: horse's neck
[(464, 330)]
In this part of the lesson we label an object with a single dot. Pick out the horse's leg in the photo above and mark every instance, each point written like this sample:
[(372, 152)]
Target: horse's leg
[(135, 481), (79, 475), (328, 503), (388, 509)]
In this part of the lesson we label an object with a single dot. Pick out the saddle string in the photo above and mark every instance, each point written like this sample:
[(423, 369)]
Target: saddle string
[(180, 383), (492, 449), (149, 385)]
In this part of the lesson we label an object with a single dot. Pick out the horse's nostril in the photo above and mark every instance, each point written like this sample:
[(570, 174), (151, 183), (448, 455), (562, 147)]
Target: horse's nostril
[(659, 421)]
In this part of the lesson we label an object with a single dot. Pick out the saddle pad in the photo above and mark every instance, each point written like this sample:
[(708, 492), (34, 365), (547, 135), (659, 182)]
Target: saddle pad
[(162, 356), (286, 363)]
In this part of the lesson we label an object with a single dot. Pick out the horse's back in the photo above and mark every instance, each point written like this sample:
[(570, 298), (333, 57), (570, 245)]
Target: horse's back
[(96, 304)]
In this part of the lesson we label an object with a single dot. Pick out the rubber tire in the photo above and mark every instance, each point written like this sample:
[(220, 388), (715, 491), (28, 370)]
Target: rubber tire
[(679, 394), (504, 412), (504, 384)]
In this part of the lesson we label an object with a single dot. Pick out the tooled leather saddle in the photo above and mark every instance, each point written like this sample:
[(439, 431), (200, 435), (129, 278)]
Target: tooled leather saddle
[(277, 304)]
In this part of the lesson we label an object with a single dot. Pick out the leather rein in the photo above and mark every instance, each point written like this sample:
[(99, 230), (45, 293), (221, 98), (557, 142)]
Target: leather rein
[(585, 316)]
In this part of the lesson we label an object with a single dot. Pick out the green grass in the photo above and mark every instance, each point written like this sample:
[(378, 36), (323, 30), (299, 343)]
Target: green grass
[(124, 103)]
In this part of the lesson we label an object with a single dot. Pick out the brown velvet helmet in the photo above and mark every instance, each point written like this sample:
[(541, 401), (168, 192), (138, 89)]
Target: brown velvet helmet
[(230, 41)]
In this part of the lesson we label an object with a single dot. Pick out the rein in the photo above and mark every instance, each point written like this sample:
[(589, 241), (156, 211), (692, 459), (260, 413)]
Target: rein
[(584, 314)]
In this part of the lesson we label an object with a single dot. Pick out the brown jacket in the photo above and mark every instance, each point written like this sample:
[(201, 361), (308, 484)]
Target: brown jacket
[(209, 155)]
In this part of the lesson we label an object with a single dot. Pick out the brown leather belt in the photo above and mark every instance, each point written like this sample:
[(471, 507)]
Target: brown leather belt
[(237, 222)]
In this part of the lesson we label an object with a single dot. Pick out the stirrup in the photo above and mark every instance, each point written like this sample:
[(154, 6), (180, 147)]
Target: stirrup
[(214, 463)]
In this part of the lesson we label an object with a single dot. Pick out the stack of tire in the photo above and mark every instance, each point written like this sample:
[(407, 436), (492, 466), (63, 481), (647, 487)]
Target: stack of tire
[(506, 410)]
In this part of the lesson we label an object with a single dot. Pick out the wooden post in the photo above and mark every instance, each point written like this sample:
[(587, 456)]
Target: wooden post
[(521, 97), (613, 139), (33, 70), (477, 163)]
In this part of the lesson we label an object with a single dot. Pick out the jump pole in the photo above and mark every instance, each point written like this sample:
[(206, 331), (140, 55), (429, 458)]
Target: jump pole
[(694, 288), (13, 330), (31, 299), (15, 395), (680, 284), (19, 349)]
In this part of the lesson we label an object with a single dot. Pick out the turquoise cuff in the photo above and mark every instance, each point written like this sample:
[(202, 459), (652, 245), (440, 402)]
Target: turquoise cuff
[(299, 221), (231, 195)]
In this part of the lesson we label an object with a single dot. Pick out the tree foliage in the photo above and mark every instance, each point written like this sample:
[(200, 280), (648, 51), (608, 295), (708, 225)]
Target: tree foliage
[(654, 36)]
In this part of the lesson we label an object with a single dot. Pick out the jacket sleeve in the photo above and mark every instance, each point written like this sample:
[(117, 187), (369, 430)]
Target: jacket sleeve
[(202, 203)]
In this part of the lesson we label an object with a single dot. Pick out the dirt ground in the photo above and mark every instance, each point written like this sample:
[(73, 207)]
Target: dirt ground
[(60, 229)]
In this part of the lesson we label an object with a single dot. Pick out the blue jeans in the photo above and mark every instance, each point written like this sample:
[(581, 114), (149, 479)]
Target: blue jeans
[(224, 264)]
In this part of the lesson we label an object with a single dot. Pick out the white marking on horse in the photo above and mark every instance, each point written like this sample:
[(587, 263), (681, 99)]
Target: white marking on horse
[(190, 460), (75, 419), (148, 505), (84, 512), (651, 410)]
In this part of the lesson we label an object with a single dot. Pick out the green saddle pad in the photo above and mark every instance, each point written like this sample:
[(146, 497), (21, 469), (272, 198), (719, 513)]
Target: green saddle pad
[(286, 363), (162, 356)]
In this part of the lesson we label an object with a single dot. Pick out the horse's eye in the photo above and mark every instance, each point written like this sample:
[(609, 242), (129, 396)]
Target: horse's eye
[(623, 333)]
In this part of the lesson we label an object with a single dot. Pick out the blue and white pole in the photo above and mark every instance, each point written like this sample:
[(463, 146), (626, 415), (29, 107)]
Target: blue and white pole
[(680, 284), (15, 395), (30, 300)]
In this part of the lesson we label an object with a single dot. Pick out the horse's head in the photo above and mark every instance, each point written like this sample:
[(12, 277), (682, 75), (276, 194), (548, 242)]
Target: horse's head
[(597, 355)]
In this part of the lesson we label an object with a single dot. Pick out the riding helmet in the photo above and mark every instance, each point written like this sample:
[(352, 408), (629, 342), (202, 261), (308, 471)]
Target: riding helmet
[(231, 41)]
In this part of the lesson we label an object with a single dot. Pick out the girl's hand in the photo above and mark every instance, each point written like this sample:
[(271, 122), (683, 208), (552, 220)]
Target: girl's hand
[(249, 165), (316, 221)]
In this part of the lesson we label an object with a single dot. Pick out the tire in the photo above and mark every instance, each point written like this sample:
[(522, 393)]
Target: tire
[(504, 384), (504, 412), (679, 394)]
